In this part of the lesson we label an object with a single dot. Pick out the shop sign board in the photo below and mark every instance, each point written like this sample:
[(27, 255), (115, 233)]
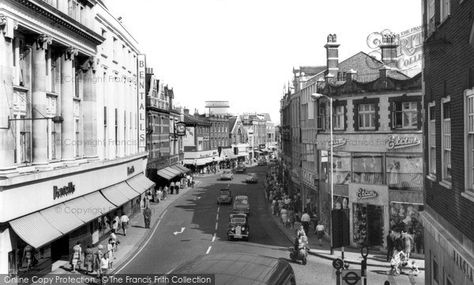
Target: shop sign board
[(370, 194), (59, 192), (141, 102), (180, 129), (396, 142)]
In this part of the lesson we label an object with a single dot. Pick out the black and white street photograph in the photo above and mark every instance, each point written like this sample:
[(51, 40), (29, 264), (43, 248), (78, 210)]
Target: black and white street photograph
[(237, 142)]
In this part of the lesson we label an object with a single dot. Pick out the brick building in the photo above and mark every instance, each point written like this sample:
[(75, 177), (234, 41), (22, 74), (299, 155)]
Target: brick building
[(449, 129)]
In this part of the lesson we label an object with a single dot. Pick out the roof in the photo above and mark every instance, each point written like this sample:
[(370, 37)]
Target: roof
[(192, 120), (235, 268), (311, 70)]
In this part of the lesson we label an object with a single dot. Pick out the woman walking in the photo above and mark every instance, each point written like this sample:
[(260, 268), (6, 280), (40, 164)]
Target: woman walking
[(76, 256), (89, 259)]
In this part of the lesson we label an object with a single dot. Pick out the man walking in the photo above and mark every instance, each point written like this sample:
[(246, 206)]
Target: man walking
[(390, 245), (124, 221), (147, 217)]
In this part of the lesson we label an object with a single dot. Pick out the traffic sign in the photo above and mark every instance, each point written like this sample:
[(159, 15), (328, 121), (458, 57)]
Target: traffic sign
[(352, 277), (338, 263)]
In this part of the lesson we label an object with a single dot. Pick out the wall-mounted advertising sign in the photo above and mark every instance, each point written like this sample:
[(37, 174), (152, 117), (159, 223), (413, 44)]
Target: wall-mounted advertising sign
[(396, 142), (59, 192), (141, 103)]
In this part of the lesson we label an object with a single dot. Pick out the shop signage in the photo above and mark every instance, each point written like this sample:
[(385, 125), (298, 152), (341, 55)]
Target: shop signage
[(396, 142), (130, 170), (180, 129), (363, 193), (337, 142), (141, 103), (63, 191), (463, 265)]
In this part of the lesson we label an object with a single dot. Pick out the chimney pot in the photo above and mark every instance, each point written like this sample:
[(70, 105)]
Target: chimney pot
[(332, 54), (389, 48)]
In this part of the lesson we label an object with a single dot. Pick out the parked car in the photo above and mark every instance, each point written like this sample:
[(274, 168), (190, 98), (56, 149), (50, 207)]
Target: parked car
[(262, 162), (224, 196), (241, 204), (241, 268), (238, 227), (251, 178), (226, 175)]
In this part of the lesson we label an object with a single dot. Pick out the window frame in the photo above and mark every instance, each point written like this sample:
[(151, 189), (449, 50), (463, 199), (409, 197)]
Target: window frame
[(375, 102), (444, 12), (431, 133), (444, 180), (364, 119), (469, 175), (342, 117)]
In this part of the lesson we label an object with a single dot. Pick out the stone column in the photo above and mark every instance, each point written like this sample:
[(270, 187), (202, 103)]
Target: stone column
[(67, 104), (89, 107), (38, 86), (7, 142)]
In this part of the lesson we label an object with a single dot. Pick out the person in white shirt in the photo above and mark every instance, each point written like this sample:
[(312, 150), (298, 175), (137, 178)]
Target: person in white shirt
[(172, 185), (305, 220), (124, 221), (320, 233)]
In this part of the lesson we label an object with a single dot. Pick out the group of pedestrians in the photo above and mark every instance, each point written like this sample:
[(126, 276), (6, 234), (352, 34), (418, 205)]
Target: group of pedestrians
[(399, 248)]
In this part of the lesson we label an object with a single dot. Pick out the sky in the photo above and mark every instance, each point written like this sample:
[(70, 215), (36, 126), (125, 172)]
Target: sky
[(244, 51)]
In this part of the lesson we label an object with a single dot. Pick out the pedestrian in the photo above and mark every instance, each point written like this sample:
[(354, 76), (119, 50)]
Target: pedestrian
[(104, 265), (172, 188), (149, 196), (110, 252), (115, 225), (272, 207), (291, 217), (98, 260), (188, 180), (320, 233), (165, 192), (28, 256), (305, 220), (76, 256), (147, 217), (160, 194), (299, 230), (89, 259), (390, 245), (124, 222), (284, 216), (177, 186), (115, 241)]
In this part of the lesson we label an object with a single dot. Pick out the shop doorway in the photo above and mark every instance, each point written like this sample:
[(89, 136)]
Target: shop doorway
[(60, 249), (368, 227)]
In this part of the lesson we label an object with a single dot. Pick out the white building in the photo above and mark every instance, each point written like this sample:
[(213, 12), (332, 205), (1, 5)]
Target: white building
[(70, 155)]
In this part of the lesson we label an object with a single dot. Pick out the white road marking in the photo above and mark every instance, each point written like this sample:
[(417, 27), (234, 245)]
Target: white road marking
[(208, 250), (144, 245), (213, 237), (217, 224), (182, 230)]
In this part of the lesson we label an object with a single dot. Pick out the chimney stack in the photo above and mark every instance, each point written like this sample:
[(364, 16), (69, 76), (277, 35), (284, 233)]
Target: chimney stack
[(186, 111), (332, 55), (389, 49)]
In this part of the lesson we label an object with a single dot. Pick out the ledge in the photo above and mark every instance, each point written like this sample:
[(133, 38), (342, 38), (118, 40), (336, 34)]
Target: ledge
[(431, 177), (468, 195), (446, 184)]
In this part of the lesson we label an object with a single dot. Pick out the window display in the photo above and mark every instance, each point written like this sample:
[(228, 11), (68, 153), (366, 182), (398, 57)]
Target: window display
[(405, 172), (342, 168), (360, 224), (407, 217), (367, 169)]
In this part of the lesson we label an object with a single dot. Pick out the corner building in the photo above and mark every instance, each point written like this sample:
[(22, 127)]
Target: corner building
[(70, 159)]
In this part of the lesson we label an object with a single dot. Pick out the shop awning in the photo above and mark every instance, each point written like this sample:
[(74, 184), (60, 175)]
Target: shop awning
[(62, 217), (182, 168), (119, 194), (35, 230), (84, 210), (166, 173), (175, 171), (198, 161), (98, 201), (140, 183)]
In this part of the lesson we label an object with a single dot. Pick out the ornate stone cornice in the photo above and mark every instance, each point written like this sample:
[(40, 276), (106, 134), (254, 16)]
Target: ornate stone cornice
[(42, 41), (3, 21)]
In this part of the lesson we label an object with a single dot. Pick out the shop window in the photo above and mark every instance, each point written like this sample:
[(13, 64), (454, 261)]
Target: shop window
[(368, 225), (341, 168), (432, 139), (446, 140), (404, 172), (367, 169), (435, 271), (407, 217)]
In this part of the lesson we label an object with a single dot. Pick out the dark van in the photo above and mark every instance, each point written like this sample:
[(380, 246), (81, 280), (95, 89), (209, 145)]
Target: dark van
[(241, 268)]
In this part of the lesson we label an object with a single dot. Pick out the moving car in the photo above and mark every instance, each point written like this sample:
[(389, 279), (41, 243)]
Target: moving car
[(241, 204), (251, 178), (241, 268), (226, 175), (224, 196), (240, 169), (238, 227)]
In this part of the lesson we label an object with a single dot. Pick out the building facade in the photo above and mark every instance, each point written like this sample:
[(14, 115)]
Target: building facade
[(448, 133), (67, 144)]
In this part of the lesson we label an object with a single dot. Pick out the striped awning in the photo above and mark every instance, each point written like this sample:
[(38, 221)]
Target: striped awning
[(119, 194), (140, 183), (166, 173)]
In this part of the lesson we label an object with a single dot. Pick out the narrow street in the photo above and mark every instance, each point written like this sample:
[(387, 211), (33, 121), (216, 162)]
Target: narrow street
[(195, 225)]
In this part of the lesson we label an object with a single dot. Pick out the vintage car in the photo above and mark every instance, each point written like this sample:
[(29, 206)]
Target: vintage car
[(224, 196), (238, 227), (240, 169), (241, 205), (226, 175), (251, 178)]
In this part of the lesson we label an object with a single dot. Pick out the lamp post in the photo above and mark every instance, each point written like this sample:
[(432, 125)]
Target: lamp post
[(331, 185)]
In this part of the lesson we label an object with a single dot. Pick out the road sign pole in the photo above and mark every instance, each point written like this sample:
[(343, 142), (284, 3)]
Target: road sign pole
[(338, 277)]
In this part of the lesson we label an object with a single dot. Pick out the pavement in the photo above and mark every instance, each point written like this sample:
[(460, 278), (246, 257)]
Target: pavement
[(136, 235), (351, 255)]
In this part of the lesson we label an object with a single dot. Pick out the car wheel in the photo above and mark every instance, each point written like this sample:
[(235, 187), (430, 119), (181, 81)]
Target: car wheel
[(304, 261)]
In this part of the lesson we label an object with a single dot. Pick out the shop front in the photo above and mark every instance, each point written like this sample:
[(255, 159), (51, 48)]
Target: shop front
[(201, 161), (71, 205), (369, 214)]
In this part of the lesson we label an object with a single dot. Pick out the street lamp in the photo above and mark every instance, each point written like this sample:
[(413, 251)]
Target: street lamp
[(331, 185)]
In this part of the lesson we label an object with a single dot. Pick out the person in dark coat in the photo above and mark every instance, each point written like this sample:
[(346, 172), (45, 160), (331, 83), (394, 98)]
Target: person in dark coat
[(147, 217), (390, 245)]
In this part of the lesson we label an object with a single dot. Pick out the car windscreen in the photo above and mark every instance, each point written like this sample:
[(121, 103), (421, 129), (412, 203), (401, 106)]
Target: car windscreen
[(242, 201), (237, 221), (225, 193)]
